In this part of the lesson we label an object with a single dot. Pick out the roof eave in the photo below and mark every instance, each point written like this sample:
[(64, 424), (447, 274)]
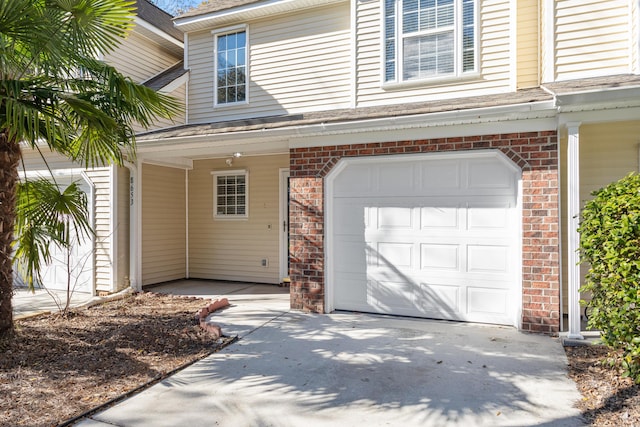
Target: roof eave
[(247, 12)]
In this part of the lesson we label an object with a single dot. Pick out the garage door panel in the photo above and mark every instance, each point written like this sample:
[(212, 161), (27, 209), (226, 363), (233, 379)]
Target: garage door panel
[(355, 180), (440, 256), (486, 174), (396, 179), (351, 256), (488, 259), (484, 217), (389, 295), (352, 293), (439, 298), (394, 255), (351, 218), (440, 177), (439, 217), (395, 218), (487, 301)]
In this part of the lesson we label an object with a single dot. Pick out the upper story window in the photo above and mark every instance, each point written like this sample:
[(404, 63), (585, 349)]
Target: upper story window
[(231, 67), (429, 39)]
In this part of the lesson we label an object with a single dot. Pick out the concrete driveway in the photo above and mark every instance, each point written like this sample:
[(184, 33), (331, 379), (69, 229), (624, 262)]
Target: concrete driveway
[(346, 369)]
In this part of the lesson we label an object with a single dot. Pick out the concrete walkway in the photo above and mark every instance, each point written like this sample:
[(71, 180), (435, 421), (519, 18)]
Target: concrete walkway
[(292, 369), (26, 303)]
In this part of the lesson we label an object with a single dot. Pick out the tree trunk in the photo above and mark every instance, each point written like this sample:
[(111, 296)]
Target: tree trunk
[(9, 161)]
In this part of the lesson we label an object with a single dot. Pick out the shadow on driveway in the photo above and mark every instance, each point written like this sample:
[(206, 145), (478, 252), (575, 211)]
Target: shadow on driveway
[(296, 369)]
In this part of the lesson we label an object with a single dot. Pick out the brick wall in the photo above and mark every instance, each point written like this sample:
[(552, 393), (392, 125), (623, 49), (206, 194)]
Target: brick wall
[(534, 152)]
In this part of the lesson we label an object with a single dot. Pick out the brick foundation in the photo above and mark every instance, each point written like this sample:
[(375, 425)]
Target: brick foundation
[(534, 152)]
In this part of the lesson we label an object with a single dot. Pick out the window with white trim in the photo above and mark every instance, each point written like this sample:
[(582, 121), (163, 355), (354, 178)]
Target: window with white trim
[(230, 67), (426, 39), (230, 194)]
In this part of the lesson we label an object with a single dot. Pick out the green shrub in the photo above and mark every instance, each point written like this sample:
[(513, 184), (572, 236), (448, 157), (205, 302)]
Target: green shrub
[(610, 244)]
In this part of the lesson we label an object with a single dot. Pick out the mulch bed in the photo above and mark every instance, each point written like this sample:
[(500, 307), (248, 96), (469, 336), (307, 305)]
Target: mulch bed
[(608, 399), (57, 368)]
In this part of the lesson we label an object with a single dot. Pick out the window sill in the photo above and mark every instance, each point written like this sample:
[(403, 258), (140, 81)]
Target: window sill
[(431, 82), (230, 106), (230, 218)]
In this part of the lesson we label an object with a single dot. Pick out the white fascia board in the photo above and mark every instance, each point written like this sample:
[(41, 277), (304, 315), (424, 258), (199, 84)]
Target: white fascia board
[(158, 33), (601, 98), (618, 114), (434, 132), (171, 162), (183, 79), (247, 12)]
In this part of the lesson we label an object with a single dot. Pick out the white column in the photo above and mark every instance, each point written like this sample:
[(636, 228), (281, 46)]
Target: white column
[(135, 234), (573, 220)]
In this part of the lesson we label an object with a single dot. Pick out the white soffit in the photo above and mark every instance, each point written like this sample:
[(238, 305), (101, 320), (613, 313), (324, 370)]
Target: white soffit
[(168, 42)]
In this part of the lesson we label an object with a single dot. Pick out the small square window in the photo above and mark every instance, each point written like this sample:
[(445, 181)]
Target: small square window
[(230, 194)]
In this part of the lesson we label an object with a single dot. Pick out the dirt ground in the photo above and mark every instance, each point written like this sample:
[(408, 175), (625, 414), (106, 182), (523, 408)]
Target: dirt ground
[(607, 398), (57, 369)]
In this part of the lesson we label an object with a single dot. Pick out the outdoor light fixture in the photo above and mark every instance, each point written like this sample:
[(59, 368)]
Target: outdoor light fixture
[(235, 155)]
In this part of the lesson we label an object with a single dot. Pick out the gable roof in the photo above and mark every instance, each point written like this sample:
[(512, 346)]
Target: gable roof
[(166, 77), (216, 6), (217, 13), (158, 18)]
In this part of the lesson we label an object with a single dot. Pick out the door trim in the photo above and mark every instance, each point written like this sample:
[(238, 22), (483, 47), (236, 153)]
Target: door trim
[(283, 223)]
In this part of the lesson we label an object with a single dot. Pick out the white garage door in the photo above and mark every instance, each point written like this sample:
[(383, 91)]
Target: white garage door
[(427, 236), (73, 267)]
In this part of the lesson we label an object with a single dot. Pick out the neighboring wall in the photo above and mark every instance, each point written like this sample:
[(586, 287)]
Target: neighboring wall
[(593, 38), (298, 62), (163, 224), (179, 119), (233, 249), (140, 58), (102, 226), (495, 60), (608, 152)]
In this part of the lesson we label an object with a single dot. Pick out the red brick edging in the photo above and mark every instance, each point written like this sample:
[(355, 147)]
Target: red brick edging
[(201, 317)]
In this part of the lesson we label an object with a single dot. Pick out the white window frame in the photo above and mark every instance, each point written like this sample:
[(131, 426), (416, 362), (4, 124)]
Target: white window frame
[(223, 32), (399, 37), (237, 172)]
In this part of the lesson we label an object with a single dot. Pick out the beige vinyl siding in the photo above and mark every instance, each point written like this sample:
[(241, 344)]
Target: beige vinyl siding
[(102, 226), (179, 119), (608, 152), (233, 249), (33, 161), (528, 43), (635, 38), (592, 38), (140, 58), (494, 63), (163, 224), (122, 229), (298, 62)]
